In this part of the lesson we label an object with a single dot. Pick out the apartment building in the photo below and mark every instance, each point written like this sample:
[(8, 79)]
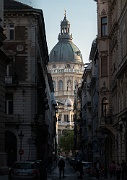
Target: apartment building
[(112, 105), (30, 108)]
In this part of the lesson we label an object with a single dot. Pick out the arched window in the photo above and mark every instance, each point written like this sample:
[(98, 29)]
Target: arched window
[(68, 66), (54, 85), (66, 118), (104, 107), (69, 85), (60, 85)]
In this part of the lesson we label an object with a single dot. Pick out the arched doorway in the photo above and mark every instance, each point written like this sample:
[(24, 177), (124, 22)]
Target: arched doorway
[(10, 147)]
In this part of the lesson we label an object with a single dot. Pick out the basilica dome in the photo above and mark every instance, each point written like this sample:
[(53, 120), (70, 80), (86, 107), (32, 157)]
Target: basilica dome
[(65, 50)]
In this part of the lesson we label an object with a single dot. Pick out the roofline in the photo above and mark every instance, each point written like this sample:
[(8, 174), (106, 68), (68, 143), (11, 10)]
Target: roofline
[(23, 10)]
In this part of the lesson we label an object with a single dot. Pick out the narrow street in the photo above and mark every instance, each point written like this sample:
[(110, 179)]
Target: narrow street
[(70, 174)]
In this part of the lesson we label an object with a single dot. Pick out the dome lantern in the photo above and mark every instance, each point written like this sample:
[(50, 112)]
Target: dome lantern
[(65, 50), (65, 29)]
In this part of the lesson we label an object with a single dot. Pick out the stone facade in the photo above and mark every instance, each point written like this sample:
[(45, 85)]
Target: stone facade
[(29, 110), (112, 76), (109, 105)]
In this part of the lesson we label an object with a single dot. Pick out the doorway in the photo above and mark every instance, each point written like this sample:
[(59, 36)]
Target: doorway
[(10, 147)]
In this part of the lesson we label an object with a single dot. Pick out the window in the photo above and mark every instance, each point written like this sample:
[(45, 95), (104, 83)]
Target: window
[(60, 117), (66, 118), (9, 104), (104, 66), (11, 32), (78, 53), (4, 29), (60, 85), (68, 66), (104, 26), (55, 53), (54, 66), (9, 68), (104, 107), (54, 85)]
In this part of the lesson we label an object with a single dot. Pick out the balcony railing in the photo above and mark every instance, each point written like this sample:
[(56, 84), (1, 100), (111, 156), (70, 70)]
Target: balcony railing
[(106, 120), (8, 79), (65, 123), (13, 119)]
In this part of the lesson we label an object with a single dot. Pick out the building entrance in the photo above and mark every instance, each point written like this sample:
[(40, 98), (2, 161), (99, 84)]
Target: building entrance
[(10, 147)]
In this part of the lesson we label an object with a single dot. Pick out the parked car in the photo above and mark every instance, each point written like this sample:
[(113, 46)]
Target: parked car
[(42, 169), (23, 171), (87, 167)]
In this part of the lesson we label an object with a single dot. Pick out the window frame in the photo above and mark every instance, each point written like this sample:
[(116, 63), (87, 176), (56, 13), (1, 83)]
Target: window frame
[(11, 31), (60, 85), (104, 27), (104, 107)]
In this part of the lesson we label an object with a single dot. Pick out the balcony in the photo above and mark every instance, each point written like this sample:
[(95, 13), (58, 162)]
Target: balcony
[(8, 80), (65, 123), (11, 80), (13, 119), (106, 120)]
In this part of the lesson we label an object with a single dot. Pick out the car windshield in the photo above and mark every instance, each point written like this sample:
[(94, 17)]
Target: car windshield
[(23, 166), (89, 164)]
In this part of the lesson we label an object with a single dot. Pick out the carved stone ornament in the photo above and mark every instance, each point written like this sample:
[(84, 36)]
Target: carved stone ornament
[(104, 53), (19, 47), (104, 91)]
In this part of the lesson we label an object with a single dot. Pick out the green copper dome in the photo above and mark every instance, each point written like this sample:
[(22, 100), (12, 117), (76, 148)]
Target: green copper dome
[(65, 50)]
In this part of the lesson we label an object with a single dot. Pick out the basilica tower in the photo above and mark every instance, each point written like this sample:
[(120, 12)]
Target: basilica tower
[(66, 68)]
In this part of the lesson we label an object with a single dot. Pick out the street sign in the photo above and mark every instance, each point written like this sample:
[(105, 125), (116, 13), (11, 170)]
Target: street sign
[(21, 152)]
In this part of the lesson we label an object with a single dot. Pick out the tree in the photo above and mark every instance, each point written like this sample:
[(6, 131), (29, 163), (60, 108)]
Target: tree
[(67, 141)]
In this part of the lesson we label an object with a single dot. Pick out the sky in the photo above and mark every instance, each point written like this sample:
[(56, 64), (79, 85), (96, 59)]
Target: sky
[(82, 15)]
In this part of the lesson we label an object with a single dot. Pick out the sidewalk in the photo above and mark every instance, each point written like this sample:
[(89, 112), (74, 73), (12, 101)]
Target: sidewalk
[(4, 177)]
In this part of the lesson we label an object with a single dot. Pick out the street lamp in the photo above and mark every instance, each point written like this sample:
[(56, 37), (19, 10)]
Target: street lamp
[(21, 138)]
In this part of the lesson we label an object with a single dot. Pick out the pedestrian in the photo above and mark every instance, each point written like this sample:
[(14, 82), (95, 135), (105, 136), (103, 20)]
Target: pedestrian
[(123, 167), (61, 165), (79, 169), (112, 169), (118, 171), (97, 169)]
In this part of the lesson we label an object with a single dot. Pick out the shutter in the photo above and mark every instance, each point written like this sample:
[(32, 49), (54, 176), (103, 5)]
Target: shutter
[(104, 66)]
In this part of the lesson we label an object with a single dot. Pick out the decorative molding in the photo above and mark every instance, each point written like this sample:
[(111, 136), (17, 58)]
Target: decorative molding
[(19, 47), (103, 12), (103, 53)]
